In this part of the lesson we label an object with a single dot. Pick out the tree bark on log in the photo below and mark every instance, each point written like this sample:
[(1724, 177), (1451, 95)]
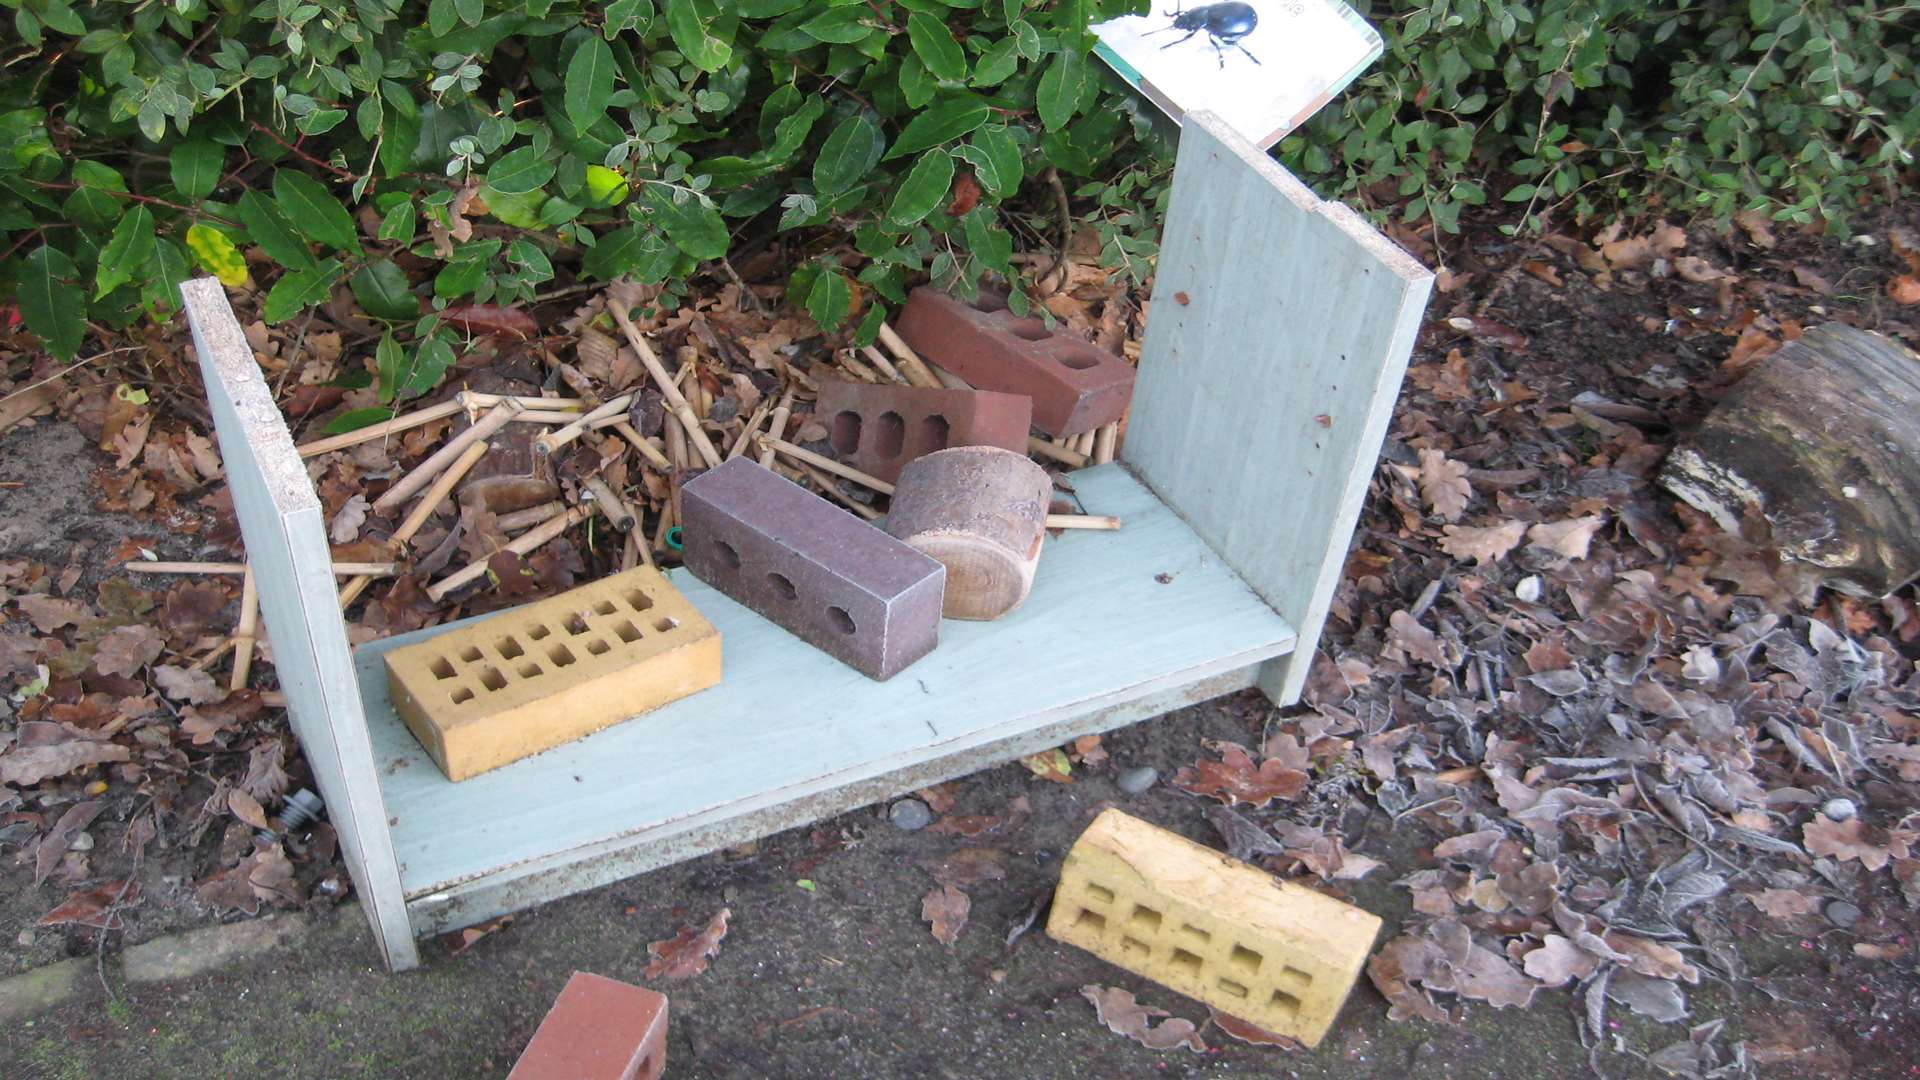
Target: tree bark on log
[(982, 512), (1820, 445)]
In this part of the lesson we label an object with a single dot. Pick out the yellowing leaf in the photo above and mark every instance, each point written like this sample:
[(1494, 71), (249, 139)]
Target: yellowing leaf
[(217, 255), (605, 187), (1050, 765)]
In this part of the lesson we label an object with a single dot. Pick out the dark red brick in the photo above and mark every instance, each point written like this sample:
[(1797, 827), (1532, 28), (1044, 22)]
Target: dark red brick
[(1075, 386), (598, 1029), (878, 429), (843, 586)]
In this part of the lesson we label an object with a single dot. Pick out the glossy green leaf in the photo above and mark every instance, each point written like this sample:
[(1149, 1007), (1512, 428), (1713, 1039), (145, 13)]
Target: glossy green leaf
[(298, 290), (692, 38), (946, 120), (924, 188), (53, 306), (400, 222), (694, 227), (934, 44), (382, 290), (430, 361), (355, 419), (388, 361), (605, 187), (1060, 90), (989, 243), (272, 233), (849, 154), (195, 167), (589, 83), (995, 158), (829, 298), (127, 253), (520, 171), (313, 211)]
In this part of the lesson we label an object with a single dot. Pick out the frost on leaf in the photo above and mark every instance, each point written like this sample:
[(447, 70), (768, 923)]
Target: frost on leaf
[(1235, 779)]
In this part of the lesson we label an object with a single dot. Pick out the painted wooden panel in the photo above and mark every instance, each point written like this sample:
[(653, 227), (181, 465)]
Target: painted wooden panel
[(1129, 618), (1276, 343), (287, 547)]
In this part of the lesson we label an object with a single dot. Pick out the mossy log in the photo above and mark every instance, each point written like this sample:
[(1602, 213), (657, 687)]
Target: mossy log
[(1821, 442)]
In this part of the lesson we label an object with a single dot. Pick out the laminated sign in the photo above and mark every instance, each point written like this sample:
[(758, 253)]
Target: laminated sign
[(1264, 66)]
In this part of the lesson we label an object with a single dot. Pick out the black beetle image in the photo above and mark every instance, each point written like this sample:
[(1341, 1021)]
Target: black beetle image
[(1224, 24)]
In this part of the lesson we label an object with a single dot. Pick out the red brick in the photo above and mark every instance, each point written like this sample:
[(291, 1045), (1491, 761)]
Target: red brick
[(878, 429), (1075, 385), (598, 1029)]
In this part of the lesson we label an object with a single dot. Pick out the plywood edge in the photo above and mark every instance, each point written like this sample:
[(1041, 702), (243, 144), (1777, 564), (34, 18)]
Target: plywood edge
[(588, 866)]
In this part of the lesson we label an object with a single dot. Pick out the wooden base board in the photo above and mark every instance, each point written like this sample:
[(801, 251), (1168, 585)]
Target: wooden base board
[(1120, 626)]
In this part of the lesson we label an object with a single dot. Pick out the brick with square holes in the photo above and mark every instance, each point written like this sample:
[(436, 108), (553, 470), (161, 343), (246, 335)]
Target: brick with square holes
[(1273, 953), (598, 1029), (835, 581), (530, 678), (879, 428), (1076, 386)]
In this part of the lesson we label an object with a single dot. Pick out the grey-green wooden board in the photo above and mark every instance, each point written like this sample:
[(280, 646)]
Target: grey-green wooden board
[(1120, 625), (1277, 338)]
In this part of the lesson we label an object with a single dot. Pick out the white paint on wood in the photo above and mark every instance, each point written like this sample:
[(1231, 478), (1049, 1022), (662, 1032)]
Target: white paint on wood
[(286, 541), (791, 735), (1276, 343)]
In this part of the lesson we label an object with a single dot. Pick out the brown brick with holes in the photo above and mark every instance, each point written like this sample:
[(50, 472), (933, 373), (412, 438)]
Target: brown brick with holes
[(879, 429), (598, 1029), (1267, 951), (534, 677), (1076, 386)]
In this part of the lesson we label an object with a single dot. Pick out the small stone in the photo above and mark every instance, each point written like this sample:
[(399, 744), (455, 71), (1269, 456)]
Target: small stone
[(82, 842), (1842, 914), (1839, 809), (910, 815), (26, 939), (1135, 781)]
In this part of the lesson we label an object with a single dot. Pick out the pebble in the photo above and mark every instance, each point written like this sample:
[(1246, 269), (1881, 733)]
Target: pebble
[(1135, 781), (82, 842), (1839, 809), (26, 939), (1842, 914), (910, 815)]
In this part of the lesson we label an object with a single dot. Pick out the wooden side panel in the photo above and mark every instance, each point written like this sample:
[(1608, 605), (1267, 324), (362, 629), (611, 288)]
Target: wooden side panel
[(1278, 336), (287, 547)]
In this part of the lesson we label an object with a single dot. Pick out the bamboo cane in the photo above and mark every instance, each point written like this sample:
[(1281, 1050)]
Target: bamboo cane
[(423, 474), (675, 399), (525, 544)]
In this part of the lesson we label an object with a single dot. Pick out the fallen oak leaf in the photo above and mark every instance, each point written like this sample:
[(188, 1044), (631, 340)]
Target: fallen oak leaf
[(970, 866), (946, 908), (124, 650), (1482, 544), (1782, 903), (968, 825), (50, 613), (1117, 1009), (1568, 539), (190, 685), (1416, 641), (97, 908), (1234, 779), (1850, 841), (1050, 765), (58, 752), (246, 808), (1489, 331), (1444, 484), (348, 522), (1250, 1033), (54, 845), (1558, 961), (466, 937), (686, 954)]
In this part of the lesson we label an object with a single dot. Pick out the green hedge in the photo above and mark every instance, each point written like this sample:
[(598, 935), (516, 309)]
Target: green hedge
[(466, 151)]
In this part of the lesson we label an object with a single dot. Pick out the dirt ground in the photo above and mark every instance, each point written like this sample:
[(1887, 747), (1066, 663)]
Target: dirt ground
[(843, 978)]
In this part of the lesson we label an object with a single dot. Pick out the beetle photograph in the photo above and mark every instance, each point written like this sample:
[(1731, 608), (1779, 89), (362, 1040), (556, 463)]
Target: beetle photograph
[(1263, 65)]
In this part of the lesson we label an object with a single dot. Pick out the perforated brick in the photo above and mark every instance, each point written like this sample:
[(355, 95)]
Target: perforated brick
[(878, 429), (838, 583), (1076, 386), (533, 677), (598, 1029), (1232, 935)]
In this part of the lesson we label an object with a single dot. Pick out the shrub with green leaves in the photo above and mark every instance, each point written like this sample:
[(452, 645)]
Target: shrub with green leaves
[(458, 152)]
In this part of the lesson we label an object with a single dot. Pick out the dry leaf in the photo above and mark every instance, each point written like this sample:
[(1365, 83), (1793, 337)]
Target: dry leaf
[(686, 954), (1235, 780), (1250, 1033), (1395, 970), (98, 908), (1783, 903), (1050, 765), (1489, 331), (946, 908), (347, 523), (1088, 751), (970, 866), (25, 764), (186, 684), (1558, 961), (246, 808), (1118, 1010), (1697, 270), (50, 613), (1758, 226), (1444, 484), (126, 649), (54, 845), (1904, 289), (1568, 539), (1482, 544), (1849, 840), (464, 938), (1416, 641)]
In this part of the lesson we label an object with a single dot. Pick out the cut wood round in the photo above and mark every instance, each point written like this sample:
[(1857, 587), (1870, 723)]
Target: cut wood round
[(1816, 448), (981, 511)]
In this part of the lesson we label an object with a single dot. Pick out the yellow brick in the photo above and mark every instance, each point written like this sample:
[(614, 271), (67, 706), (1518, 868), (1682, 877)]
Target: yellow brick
[(531, 678), (1211, 927)]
